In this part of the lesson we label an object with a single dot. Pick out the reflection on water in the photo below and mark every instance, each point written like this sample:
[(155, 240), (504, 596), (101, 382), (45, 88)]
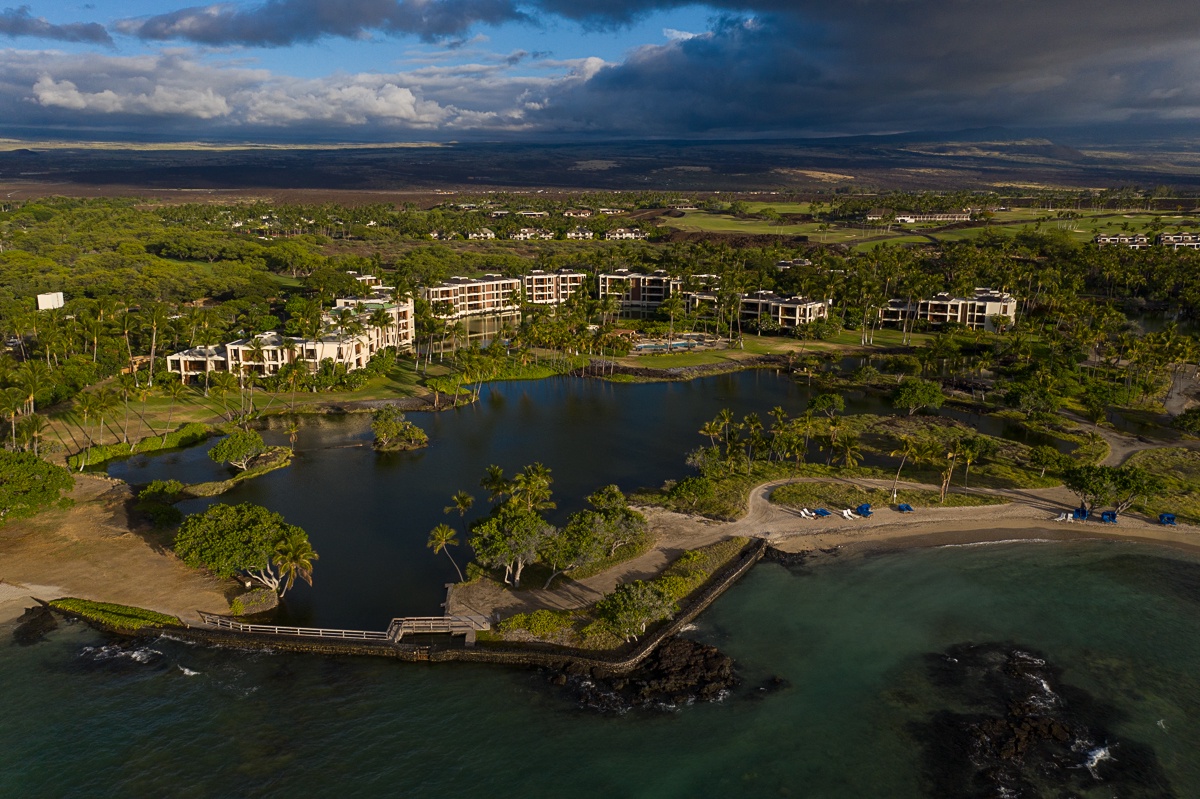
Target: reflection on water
[(369, 514)]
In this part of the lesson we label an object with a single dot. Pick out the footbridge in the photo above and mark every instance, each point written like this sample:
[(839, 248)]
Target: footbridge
[(466, 626)]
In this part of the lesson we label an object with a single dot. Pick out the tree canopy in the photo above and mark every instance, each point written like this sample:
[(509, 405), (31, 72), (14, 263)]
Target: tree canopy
[(29, 485), (246, 539), (238, 448)]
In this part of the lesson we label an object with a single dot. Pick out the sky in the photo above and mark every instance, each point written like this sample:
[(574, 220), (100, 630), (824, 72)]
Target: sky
[(438, 70)]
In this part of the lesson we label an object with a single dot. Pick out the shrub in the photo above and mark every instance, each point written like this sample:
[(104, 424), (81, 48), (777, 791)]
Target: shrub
[(120, 617)]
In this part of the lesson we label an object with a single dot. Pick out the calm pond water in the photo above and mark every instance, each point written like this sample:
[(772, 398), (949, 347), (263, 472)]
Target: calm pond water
[(368, 514), (860, 643)]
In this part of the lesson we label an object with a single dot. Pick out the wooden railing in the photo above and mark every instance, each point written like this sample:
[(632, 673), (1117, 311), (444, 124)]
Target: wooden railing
[(302, 632), (406, 625), (454, 625)]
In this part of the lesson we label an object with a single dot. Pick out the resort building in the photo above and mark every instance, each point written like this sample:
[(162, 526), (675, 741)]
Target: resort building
[(552, 288), (577, 213), (467, 296), (975, 312), (530, 234), (1179, 241), (912, 219), (636, 292), (534, 214), (580, 234), (483, 234), (624, 234), (349, 338), (784, 311), (1134, 241)]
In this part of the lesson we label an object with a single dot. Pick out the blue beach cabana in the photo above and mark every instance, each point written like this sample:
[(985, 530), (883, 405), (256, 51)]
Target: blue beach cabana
[(1080, 515), (1109, 517), (1166, 518), (904, 507), (864, 509)]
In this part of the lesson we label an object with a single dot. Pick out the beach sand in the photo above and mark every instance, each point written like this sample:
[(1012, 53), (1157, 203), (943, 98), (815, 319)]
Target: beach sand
[(90, 551), (1029, 515)]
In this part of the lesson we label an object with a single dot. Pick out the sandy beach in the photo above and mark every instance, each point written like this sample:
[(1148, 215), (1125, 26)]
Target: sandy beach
[(1029, 515), (92, 552)]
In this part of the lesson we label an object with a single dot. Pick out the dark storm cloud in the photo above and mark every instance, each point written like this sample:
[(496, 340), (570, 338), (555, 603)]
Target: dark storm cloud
[(278, 23), (878, 65), (19, 22)]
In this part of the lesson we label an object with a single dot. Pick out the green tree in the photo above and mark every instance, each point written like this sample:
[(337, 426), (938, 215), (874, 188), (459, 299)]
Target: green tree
[(245, 539), (913, 394), (829, 404), (631, 607), (1092, 484), (1045, 457), (29, 485), (238, 449), (441, 538), (293, 557), (1131, 483)]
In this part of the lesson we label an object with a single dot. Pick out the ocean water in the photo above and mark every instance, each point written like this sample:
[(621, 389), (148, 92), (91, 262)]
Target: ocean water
[(867, 646)]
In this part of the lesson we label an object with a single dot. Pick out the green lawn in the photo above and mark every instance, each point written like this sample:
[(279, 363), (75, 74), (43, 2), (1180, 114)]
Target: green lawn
[(836, 496), (1180, 470)]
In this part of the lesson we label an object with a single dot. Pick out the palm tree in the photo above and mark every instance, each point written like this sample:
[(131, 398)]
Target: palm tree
[(294, 557), (496, 484), (461, 502), (532, 487), (440, 539), (33, 377), (851, 451), (221, 384), (712, 429), (36, 425), (173, 390), (106, 401), (12, 402), (908, 449), (85, 406), (293, 431)]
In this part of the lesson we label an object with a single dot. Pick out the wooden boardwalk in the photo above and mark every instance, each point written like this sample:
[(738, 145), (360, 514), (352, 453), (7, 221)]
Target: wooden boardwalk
[(407, 625)]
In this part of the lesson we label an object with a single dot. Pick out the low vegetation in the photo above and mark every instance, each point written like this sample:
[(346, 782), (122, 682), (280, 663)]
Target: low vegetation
[(1178, 470), (117, 617), (29, 485), (838, 495), (630, 609)]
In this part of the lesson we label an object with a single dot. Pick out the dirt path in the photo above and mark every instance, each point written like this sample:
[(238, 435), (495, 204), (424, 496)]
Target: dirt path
[(90, 551)]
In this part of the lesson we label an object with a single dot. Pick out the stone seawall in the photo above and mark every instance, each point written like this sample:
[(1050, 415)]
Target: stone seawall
[(504, 653)]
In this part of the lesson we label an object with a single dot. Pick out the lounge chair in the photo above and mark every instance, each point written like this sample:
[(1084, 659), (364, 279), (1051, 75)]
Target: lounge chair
[(864, 510), (849, 514), (1166, 518), (1108, 517), (821, 512), (1080, 515), (1063, 517), (807, 514), (904, 507)]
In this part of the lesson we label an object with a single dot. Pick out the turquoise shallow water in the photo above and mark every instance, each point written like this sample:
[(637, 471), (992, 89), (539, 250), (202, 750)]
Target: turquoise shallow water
[(851, 636)]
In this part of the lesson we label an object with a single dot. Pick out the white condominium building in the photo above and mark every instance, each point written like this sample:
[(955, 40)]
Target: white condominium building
[(552, 288), (467, 296), (1134, 241), (975, 312), (784, 311), (346, 339), (1179, 241)]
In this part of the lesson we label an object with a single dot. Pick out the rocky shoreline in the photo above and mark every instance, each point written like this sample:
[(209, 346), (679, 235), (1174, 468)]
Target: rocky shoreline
[(679, 672)]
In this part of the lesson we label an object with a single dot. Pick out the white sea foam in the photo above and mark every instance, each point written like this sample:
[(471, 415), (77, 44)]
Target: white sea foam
[(1095, 758), (188, 672), (139, 655), (995, 543)]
